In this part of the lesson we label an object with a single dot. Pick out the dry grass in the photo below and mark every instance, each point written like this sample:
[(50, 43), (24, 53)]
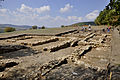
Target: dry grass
[(47, 31)]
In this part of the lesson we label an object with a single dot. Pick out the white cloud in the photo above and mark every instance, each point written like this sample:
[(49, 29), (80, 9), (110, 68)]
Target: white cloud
[(3, 10), (75, 18), (42, 9), (26, 15), (27, 9), (58, 20), (92, 15), (66, 8)]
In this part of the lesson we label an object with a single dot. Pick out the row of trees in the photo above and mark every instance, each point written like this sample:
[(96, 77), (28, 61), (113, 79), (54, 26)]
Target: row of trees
[(36, 27), (11, 29), (110, 15), (62, 26)]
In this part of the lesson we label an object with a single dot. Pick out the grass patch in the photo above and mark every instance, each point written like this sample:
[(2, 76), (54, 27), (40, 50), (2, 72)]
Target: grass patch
[(47, 31)]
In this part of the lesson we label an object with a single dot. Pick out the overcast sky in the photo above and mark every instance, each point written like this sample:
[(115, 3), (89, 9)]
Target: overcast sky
[(50, 13)]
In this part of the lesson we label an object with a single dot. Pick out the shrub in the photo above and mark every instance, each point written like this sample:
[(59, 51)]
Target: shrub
[(62, 26), (34, 27), (9, 29), (43, 27)]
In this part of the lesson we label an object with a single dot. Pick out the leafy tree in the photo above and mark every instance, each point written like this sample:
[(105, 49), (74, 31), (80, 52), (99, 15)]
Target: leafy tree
[(9, 29), (34, 27), (43, 27), (62, 26), (110, 15)]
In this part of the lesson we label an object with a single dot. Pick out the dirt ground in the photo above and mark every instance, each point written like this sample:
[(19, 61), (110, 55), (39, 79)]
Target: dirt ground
[(115, 55), (30, 58)]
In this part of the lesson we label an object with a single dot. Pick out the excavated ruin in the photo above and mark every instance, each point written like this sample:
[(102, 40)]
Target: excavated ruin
[(71, 48)]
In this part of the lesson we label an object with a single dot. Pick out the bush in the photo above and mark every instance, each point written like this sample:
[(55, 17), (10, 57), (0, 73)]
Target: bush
[(62, 26), (9, 29), (43, 27), (34, 27)]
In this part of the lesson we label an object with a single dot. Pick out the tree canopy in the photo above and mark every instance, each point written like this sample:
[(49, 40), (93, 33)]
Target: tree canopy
[(34, 27), (110, 15), (9, 29)]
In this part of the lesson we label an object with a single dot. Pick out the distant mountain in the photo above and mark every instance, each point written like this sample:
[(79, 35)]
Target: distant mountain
[(15, 26), (84, 23)]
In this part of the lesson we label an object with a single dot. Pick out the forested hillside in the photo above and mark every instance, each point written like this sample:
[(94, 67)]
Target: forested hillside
[(83, 24), (110, 15)]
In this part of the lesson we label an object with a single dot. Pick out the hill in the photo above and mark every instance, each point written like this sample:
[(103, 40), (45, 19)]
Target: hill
[(83, 23), (17, 27)]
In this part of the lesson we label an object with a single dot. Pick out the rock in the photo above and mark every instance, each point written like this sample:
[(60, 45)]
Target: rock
[(1, 57), (74, 73)]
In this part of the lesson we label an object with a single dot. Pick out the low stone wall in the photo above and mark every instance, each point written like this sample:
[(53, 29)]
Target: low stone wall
[(24, 37), (81, 51), (21, 35), (15, 36), (88, 37), (63, 45), (80, 41), (41, 42), (88, 34), (47, 67), (66, 32), (75, 42), (101, 40), (19, 38), (94, 43)]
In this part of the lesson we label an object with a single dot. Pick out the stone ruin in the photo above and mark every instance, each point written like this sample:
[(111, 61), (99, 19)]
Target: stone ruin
[(82, 44)]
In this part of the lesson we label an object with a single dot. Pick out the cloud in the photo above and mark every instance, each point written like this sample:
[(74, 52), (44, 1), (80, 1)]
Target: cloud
[(92, 15), (27, 9), (26, 15), (42, 9), (75, 18), (3, 10), (67, 8)]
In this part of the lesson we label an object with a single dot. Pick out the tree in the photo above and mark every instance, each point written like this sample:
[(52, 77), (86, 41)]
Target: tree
[(62, 26), (43, 27), (9, 29), (110, 15), (34, 27)]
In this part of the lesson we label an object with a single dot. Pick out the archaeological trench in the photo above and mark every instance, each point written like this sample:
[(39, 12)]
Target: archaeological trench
[(70, 55)]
